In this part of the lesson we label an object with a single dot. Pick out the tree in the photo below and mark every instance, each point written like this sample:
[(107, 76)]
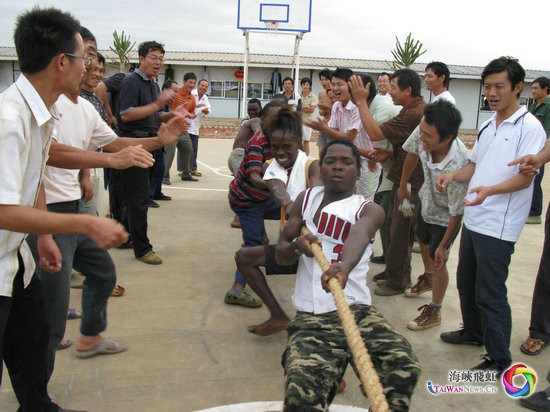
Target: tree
[(122, 45), (405, 55)]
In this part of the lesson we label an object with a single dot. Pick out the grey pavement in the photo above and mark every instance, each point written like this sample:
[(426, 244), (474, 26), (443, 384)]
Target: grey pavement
[(188, 350)]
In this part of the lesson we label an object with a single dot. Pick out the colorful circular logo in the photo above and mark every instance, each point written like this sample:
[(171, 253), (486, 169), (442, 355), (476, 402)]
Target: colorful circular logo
[(508, 380)]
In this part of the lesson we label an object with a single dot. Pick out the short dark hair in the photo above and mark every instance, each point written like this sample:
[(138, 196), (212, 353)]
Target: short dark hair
[(384, 74), (516, 73), (41, 34), (440, 69), (147, 46), (445, 117), (408, 78), (544, 83), (188, 76), (326, 73), (305, 80), (203, 80), (168, 83), (372, 88), (286, 121), (255, 101), (343, 73), (279, 96), (101, 58), (265, 110), (87, 34), (288, 78), (347, 143)]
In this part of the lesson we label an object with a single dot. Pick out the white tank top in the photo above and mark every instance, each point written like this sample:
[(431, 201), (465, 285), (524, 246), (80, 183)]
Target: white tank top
[(335, 222)]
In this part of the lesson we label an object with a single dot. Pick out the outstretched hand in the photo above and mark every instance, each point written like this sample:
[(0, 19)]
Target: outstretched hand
[(132, 156), (528, 165), (481, 194)]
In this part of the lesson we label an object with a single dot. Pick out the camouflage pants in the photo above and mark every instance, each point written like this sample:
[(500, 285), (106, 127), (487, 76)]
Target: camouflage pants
[(317, 354)]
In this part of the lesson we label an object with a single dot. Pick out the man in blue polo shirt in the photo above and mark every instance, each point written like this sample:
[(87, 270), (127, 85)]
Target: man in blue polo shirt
[(141, 105)]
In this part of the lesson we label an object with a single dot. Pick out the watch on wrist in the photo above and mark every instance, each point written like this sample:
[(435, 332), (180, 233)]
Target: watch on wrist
[(294, 247)]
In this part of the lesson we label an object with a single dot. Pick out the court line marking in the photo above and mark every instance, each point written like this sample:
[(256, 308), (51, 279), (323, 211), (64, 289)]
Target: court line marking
[(216, 170)]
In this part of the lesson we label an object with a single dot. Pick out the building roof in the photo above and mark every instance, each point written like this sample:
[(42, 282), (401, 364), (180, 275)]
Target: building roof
[(286, 61)]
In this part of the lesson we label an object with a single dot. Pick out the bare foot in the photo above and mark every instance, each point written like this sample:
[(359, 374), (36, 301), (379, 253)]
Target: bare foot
[(236, 223), (270, 326), (89, 342)]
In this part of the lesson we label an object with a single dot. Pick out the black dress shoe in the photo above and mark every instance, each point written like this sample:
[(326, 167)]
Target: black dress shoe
[(162, 196), (189, 179), (380, 276), (152, 203), (379, 259)]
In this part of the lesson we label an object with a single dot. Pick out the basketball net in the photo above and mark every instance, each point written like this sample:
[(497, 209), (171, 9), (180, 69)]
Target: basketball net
[(272, 27)]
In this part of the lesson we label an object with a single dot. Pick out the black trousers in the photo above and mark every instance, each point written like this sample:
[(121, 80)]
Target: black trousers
[(24, 337), (135, 186)]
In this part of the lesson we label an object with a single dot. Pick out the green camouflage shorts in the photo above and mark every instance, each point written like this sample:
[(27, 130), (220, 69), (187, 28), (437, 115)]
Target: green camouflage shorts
[(317, 354)]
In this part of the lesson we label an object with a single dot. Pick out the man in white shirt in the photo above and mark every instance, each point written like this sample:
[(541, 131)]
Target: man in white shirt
[(496, 209), (317, 353), (202, 109), (52, 61), (81, 126)]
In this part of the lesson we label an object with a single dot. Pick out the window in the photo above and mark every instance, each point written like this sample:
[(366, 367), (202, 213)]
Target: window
[(217, 89), (254, 90), (231, 89)]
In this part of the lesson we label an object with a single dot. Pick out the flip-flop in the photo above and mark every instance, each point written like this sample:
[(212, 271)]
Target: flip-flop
[(64, 344), (73, 313), (532, 346), (118, 291), (107, 347)]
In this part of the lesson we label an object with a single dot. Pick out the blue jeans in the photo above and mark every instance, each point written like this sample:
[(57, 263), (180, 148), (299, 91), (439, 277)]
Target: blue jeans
[(252, 225), (539, 327), (79, 252), (481, 280)]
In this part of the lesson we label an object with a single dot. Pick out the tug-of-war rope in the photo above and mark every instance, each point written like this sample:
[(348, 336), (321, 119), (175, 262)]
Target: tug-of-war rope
[(367, 372)]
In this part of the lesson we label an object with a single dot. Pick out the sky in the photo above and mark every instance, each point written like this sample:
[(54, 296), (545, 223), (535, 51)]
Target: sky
[(470, 33)]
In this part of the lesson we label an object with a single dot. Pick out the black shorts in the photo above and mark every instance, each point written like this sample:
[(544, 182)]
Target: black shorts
[(271, 265), (431, 235)]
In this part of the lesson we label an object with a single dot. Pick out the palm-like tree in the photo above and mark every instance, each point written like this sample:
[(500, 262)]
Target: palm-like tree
[(122, 45), (405, 55)]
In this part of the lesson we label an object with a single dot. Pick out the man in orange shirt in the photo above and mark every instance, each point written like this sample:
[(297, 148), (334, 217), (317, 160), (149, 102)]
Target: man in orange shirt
[(184, 144)]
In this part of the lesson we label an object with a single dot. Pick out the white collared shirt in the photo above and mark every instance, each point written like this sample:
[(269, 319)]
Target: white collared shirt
[(80, 126), (26, 127), (503, 216), (195, 124), (345, 118)]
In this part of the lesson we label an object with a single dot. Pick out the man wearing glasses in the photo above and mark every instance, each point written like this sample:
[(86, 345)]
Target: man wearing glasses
[(51, 57), (141, 105)]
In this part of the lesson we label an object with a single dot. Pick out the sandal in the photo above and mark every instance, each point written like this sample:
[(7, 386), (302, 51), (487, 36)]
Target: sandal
[(118, 291), (243, 299), (64, 344), (532, 346), (74, 314)]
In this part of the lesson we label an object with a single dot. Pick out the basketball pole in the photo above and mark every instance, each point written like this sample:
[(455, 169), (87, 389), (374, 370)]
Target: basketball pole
[(295, 62)]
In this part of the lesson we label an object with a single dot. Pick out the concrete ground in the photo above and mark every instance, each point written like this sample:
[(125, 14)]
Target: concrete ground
[(188, 350)]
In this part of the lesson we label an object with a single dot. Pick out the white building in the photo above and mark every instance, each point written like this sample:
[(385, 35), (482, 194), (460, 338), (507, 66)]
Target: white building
[(226, 89)]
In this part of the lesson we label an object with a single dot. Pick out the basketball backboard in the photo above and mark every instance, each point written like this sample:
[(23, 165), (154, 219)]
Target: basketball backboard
[(287, 15)]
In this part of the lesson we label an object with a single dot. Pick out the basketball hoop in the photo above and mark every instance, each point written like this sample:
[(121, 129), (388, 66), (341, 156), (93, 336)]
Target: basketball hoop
[(272, 27)]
